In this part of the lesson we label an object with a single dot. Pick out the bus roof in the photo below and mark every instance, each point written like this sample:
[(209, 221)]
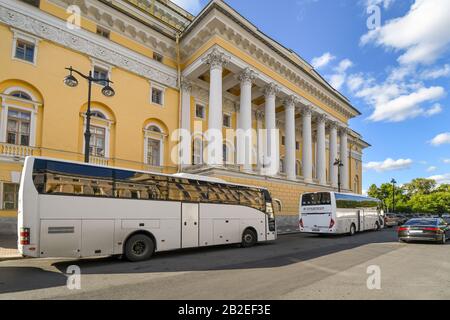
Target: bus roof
[(347, 194), (176, 175)]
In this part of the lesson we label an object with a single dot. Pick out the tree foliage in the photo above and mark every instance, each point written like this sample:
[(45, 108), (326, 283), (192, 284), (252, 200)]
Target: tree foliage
[(418, 196)]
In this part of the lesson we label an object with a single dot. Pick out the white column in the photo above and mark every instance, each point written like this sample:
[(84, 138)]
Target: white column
[(290, 138), (244, 133), (272, 147), (260, 139), (3, 122), (214, 136), (344, 158), (307, 144), (333, 155), (185, 133), (321, 150)]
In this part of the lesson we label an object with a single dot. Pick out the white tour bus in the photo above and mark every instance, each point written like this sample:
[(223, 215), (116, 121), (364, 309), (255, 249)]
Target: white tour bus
[(69, 209), (338, 213)]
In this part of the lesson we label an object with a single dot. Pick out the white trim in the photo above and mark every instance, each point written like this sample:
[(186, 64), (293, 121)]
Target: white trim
[(200, 103), (104, 66), (157, 86), (161, 136), (10, 90), (4, 120), (25, 37)]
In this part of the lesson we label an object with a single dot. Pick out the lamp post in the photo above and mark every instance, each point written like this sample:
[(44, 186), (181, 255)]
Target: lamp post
[(107, 91), (393, 194), (339, 165)]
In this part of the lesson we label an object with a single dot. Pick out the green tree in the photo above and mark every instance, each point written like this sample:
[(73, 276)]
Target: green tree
[(420, 186)]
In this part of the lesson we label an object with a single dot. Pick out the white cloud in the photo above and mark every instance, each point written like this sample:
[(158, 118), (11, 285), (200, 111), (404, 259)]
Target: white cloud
[(193, 6), (406, 106), (431, 169), (432, 74), (389, 165), (441, 178), (343, 66), (322, 61), (440, 139), (355, 82), (423, 34), (337, 80), (446, 161), (434, 110)]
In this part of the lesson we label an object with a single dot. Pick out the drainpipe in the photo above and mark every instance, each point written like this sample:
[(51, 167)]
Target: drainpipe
[(177, 39)]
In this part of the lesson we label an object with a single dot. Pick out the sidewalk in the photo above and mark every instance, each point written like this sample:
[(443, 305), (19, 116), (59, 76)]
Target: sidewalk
[(8, 248)]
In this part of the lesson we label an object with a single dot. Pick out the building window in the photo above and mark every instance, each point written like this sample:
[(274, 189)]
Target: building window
[(153, 152), (18, 127), (10, 196), (197, 152), (105, 33), (101, 73), (157, 95), (297, 145), (25, 50), (283, 140), (227, 121), (200, 111), (158, 57), (20, 95), (97, 142)]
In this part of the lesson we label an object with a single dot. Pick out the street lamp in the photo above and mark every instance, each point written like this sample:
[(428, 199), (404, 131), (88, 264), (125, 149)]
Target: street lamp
[(107, 91), (393, 194), (339, 165)]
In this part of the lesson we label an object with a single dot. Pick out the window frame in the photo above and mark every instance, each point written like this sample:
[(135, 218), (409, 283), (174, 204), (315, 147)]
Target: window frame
[(103, 123), (203, 106), (154, 86), (27, 38), (15, 192), (230, 124), (157, 136), (18, 132), (105, 67)]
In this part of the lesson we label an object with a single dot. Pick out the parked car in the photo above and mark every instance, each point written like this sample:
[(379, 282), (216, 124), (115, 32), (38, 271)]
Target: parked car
[(446, 219), (402, 219), (391, 220), (424, 229)]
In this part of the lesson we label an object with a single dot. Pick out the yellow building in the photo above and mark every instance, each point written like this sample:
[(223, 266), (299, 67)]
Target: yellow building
[(170, 70)]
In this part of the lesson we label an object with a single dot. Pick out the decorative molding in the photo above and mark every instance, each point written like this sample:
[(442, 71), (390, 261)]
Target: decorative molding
[(291, 101), (271, 89), (186, 86), (216, 59), (247, 76), (53, 29)]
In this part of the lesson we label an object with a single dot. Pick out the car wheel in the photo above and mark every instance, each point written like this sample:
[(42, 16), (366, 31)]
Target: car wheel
[(139, 248), (377, 226), (249, 238), (352, 230)]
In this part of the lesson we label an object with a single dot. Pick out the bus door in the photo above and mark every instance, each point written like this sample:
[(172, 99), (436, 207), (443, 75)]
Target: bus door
[(360, 220), (189, 225)]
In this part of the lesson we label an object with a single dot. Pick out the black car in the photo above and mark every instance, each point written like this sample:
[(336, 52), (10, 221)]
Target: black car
[(424, 229), (402, 219)]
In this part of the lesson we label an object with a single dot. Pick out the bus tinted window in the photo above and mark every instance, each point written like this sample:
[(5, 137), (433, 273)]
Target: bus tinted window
[(61, 178), (316, 199), (348, 201)]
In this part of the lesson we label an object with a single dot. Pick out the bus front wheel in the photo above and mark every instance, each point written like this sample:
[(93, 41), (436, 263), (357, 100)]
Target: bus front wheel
[(249, 238), (139, 247)]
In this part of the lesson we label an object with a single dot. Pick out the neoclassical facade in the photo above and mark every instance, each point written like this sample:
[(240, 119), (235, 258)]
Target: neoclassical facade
[(255, 112)]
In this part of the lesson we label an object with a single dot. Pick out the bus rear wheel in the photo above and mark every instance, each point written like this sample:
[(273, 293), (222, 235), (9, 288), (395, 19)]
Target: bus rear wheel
[(248, 238), (139, 247), (352, 230)]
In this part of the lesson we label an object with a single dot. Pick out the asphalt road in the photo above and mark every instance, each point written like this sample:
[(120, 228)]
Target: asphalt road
[(294, 267)]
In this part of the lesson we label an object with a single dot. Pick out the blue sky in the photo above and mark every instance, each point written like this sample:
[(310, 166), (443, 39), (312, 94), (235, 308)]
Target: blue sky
[(397, 74)]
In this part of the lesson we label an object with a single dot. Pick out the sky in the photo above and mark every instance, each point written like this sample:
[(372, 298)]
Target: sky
[(391, 58)]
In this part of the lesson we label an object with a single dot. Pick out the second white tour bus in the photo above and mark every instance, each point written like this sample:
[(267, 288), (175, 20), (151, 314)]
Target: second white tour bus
[(338, 213), (69, 209)]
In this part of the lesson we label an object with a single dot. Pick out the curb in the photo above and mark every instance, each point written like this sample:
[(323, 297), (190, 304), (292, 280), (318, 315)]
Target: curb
[(12, 258)]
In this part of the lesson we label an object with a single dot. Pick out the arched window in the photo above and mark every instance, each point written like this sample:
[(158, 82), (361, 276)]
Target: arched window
[(98, 114), (154, 146), (197, 151), (21, 95)]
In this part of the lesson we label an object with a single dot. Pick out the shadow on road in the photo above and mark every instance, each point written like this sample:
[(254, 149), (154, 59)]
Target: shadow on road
[(287, 250), (8, 242)]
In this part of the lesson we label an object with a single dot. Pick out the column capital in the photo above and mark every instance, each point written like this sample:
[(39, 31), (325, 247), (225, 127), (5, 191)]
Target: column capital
[(306, 110), (259, 115), (321, 118), (333, 124), (344, 130), (247, 76), (216, 59), (186, 86), (291, 101), (272, 89)]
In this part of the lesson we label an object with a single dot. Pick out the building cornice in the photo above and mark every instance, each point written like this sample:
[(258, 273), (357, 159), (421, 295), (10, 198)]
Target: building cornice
[(32, 20)]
